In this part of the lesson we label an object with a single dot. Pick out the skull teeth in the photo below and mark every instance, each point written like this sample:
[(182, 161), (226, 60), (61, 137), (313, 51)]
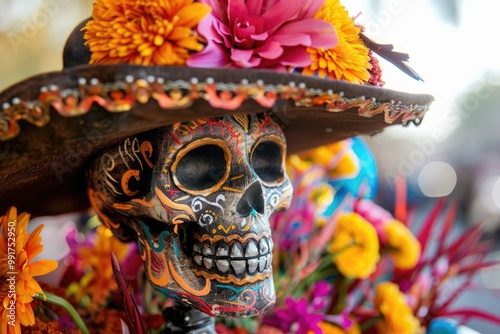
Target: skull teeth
[(251, 250), (222, 265), (252, 265), (208, 263), (236, 250), (238, 266), (207, 250), (237, 258), (263, 247), (262, 263), (221, 251)]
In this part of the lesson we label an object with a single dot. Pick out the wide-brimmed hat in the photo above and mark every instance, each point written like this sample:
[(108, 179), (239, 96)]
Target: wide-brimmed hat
[(52, 123)]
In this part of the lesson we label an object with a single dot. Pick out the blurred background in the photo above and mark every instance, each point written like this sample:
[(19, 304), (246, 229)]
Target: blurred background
[(454, 153)]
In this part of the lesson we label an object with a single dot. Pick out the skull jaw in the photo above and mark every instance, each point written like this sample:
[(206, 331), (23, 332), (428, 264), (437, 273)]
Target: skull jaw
[(210, 275), (229, 301)]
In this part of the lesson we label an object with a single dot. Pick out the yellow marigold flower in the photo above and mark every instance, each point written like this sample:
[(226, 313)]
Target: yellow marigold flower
[(323, 196), (146, 32), (398, 316), (337, 157), (322, 155), (294, 162), (355, 246), (99, 279), (349, 59), (18, 268), (404, 247)]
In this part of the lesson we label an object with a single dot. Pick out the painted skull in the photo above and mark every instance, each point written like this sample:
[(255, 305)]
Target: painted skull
[(197, 196)]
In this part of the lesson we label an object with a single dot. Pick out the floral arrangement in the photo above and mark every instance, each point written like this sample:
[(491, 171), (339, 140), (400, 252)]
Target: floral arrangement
[(313, 37), (18, 249), (342, 265), (348, 266)]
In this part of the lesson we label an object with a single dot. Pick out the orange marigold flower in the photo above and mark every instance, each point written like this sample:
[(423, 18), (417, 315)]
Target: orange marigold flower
[(98, 281), (146, 32), (398, 316), (349, 59), (329, 328), (404, 248), (19, 269), (355, 246)]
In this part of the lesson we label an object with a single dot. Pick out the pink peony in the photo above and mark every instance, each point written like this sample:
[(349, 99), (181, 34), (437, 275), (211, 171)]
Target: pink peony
[(268, 34)]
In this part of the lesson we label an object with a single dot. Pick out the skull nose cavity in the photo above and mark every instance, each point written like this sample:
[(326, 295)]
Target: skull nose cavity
[(252, 200)]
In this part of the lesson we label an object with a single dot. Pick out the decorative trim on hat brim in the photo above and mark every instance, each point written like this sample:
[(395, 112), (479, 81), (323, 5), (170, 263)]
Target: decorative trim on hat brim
[(41, 169), (120, 88)]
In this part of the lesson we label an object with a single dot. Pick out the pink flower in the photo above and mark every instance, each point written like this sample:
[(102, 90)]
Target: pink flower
[(268, 34)]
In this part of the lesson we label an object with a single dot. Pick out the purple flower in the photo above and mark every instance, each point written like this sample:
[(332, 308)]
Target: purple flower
[(296, 316), (320, 291), (341, 319), (269, 34), (66, 323), (72, 262)]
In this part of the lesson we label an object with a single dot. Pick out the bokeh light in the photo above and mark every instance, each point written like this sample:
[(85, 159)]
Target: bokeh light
[(437, 179)]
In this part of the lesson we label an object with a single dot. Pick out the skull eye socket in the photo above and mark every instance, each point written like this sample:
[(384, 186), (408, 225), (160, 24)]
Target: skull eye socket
[(202, 166), (268, 158)]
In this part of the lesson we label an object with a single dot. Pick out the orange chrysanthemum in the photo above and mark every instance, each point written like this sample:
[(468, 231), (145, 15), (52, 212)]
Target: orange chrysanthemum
[(98, 281), (156, 32), (329, 328), (20, 269), (349, 59)]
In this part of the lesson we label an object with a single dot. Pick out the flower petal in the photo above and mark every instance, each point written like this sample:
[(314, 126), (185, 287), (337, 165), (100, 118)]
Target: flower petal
[(310, 8), (131, 309), (255, 7), (236, 9), (280, 13), (212, 29), (43, 267), (213, 55), (270, 50), (218, 9), (244, 58), (320, 33), (296, 57), (179, 33), (27, 317), (260, 37), (189, 16)]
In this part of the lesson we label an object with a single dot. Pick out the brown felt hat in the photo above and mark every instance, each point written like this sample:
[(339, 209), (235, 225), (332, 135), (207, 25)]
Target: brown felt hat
[(52, 123)]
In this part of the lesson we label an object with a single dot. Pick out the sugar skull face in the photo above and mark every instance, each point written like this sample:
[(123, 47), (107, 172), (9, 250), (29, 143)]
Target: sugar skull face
[(197, 196)]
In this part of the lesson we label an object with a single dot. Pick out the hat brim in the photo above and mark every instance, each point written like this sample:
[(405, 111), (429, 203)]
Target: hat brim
[(42, 164)]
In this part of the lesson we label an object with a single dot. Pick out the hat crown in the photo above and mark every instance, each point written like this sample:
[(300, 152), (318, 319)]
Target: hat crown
[(75, 52)]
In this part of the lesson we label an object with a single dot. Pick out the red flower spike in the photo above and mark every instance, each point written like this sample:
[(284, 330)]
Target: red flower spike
[(465, 285), (132, 311), (400, 211), (468, 314), (463, 244), (429, 223), (449, 219), (475, 267)]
